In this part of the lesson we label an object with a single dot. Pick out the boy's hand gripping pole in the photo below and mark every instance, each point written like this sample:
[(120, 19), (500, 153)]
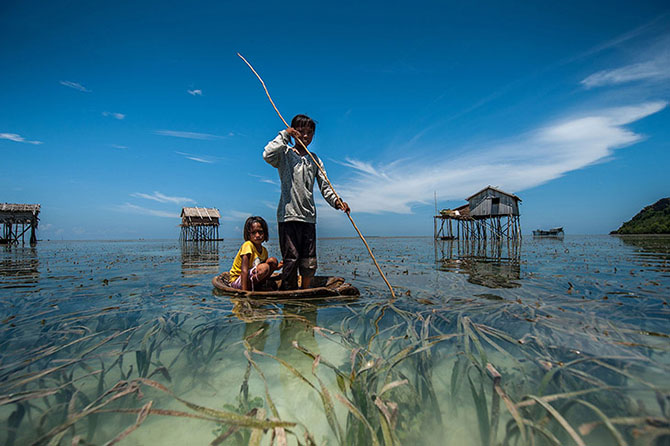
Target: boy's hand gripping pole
[(339, 200)]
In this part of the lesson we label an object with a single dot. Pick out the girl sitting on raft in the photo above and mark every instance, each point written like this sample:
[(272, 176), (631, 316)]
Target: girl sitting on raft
[(252, 268)]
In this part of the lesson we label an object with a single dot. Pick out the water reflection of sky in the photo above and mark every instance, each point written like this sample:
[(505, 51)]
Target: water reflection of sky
[(77, 308)]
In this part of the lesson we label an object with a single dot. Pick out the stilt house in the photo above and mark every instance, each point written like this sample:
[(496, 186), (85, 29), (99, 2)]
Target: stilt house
[(199, 224), (491, 202), (16, 220), (490, 213)]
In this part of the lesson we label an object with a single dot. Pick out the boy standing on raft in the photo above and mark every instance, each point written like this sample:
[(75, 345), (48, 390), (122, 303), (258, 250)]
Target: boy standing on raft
[(296, 213)]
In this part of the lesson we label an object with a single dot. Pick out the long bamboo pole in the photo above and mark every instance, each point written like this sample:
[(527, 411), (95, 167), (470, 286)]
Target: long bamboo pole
[(339, 200)]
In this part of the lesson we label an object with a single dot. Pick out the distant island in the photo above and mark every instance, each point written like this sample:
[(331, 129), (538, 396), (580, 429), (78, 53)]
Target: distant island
[(653, 219)]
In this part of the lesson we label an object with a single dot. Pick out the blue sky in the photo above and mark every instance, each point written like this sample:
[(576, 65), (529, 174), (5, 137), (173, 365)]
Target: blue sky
[(114, 115)]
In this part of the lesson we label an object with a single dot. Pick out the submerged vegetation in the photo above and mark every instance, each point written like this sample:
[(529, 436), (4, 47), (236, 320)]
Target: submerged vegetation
[(181, 365)]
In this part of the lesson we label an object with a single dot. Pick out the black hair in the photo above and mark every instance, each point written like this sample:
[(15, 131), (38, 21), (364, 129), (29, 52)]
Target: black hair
[(250, 221), (302, 121)]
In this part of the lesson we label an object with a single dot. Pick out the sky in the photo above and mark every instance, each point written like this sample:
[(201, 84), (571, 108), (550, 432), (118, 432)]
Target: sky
[(115, 115)]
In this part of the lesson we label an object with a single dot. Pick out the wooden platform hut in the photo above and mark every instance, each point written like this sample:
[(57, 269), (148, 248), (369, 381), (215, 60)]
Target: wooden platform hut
[(490, 213), (442, 222), (16, 220), (199, 224)]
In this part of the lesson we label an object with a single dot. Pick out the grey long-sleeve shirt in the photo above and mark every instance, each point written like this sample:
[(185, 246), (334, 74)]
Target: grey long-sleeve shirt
[(297, 174)]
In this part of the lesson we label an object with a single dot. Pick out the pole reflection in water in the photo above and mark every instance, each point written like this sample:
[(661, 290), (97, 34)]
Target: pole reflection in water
[(199, 257), (490, 263), (296, 349), (19, 268), (297, 329)]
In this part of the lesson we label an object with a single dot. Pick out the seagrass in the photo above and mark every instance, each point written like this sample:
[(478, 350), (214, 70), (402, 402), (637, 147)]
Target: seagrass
[(382, 388)]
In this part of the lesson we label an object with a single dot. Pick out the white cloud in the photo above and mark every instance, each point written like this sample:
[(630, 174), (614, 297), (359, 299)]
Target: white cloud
[(17, 138), (532, 159), (269, 204), (157, 196), (195, 92), (75, 85), (118, 146), (232, 215), (363, 167), (654, 66), (118, 116), (652, 70), (134, 209), (187, 135), (264, 179), (198, 158)]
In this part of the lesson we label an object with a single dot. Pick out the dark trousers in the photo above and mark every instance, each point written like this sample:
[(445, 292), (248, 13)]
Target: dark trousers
[(297, 242)]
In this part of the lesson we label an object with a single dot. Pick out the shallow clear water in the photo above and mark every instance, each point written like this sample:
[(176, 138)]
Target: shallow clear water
[(577, 329)]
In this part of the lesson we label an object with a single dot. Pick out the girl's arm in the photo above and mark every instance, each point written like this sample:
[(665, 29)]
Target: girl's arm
[(244, 273)]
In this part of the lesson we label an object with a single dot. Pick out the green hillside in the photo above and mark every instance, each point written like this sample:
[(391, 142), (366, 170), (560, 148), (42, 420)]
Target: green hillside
[(653, 219)]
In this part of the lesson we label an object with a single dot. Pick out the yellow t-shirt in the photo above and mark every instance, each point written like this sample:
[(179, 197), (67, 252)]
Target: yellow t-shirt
[(256, 258)]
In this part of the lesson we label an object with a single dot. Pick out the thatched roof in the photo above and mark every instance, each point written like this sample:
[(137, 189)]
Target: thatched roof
[(459, 213), (196, 212), (495, 189), (464, 210), (12, 207)]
